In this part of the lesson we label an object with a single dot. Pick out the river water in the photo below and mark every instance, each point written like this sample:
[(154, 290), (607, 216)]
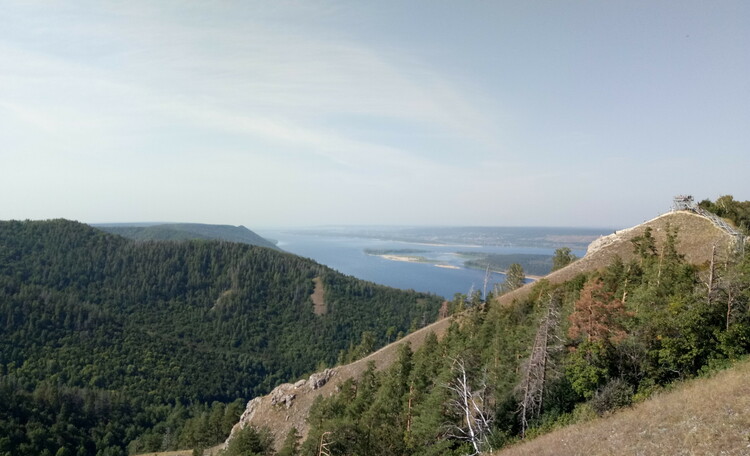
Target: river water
[(444, 275)]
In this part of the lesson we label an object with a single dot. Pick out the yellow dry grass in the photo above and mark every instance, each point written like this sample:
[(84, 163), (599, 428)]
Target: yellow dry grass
[(704, 417), (696, 237)]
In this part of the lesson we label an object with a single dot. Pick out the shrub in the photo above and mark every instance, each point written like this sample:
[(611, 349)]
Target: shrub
[(615, 394)]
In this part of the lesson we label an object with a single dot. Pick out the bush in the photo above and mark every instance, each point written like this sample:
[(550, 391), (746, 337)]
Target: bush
[(615, 394)]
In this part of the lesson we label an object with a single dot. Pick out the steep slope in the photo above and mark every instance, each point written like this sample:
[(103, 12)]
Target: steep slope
[(138, 331), (697, 237), (703, 417), (187, 231)]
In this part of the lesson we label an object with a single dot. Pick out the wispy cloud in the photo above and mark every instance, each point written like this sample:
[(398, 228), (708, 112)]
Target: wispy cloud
[(264, 81)]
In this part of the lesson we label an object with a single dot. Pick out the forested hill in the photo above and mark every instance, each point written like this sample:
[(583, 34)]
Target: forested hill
[(106, 342), (663, 301), (188, 231)]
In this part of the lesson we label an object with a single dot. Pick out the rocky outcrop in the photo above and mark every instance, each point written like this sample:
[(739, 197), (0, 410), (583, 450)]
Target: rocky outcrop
[(319, 379), (283, 395), (246, 417)]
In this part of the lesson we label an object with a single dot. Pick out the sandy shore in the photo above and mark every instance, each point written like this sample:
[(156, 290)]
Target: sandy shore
[(415, 259), (409, 259)]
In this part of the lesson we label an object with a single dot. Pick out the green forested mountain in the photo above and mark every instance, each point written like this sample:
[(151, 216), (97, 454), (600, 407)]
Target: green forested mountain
[(564, 352), (188, 231), (106, 342)]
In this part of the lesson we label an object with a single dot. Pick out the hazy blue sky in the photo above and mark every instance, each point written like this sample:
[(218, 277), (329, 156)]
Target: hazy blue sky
[(580, 113)]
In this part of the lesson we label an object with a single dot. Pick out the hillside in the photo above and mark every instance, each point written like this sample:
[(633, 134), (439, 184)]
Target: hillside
[(113, 345), (707, 416), (697, 236), (188, 231), (518, 312)]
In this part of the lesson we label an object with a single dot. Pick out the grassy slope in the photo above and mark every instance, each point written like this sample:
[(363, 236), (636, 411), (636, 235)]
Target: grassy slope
[(696, 236), (704, 416)]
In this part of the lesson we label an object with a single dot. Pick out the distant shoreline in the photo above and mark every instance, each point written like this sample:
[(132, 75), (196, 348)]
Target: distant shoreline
[(414, 259), (423, 260), (447, 266)]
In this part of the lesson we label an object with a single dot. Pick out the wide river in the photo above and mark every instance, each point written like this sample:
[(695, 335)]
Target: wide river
[(445, 275)]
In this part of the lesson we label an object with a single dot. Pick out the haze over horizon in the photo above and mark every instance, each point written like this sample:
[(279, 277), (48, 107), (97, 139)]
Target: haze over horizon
[(268, 114)]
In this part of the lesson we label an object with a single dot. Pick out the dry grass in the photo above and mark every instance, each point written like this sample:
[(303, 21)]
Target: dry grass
[(318, 298), (696, 237), (703, 417)]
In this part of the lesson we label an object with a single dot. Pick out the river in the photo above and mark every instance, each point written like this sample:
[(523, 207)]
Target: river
[(442, 273)]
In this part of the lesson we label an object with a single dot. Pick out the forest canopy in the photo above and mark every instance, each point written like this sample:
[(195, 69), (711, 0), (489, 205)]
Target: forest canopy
[(108, 344)]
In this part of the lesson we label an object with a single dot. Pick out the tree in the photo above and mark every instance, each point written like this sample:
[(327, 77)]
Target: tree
[(291, 444), (644, 245), (563, 257), (597, 315), (250, 442), (515, 278), (534, 372), (471, 405)]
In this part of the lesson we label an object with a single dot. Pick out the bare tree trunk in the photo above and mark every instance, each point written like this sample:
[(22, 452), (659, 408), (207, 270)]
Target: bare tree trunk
[(711, 273), (323, 447), (470, 404), (408, 413), (535, 372)]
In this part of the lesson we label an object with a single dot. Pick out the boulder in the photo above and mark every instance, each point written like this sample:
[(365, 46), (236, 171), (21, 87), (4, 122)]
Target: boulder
[(319, 379)]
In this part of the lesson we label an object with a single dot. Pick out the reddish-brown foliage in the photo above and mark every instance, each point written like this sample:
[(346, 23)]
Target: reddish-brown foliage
[(597, 315)]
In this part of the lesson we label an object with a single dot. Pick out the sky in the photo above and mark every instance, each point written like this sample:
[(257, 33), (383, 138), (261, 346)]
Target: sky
[(300, 113)]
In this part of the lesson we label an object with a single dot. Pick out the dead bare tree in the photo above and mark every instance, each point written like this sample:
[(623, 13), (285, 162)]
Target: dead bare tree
[(710, 284), (534, 372), (728, 285), (323, 447), (471, 405), (486, 282)]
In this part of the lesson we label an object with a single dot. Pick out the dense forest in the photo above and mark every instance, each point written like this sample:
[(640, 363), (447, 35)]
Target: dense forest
[(188, 231), (110, 346)]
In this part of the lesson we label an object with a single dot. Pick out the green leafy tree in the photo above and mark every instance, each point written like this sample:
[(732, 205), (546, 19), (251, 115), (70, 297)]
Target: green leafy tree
[(562, 257), (250, 441), (290, 447), (515, 278)]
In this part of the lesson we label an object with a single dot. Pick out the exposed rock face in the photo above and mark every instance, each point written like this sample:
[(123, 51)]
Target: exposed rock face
[(283, 394), (319, 379), (245, 418)]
